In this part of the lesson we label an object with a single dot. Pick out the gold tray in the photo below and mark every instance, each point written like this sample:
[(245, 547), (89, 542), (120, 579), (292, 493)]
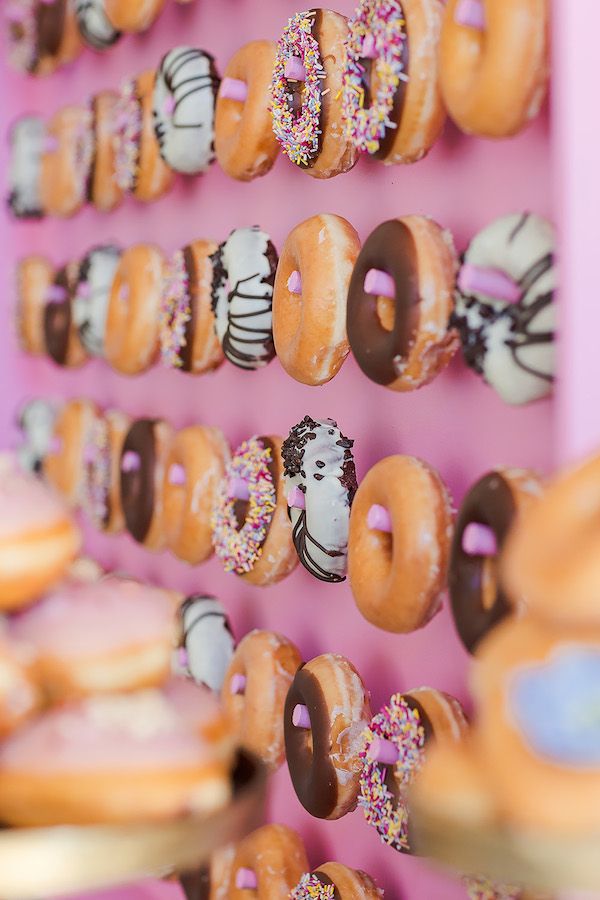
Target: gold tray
[(43, 862)]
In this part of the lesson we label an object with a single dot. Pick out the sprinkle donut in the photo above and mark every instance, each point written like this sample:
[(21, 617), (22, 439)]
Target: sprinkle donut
[(42, 34), (101, 496), (64, 466), (34, 281), (505, 311), (400, 301), (320, 483), (252, 534), (143, 459), (269, 862), (90, 302), (61, 337), (27, 141), (242, 291), (66, 161), (399, 543), (94, 25), (103, 190), (183, 109), (36, 424), (206, 641), (254, 692), (391, 102), (334, 881), (309, 298)]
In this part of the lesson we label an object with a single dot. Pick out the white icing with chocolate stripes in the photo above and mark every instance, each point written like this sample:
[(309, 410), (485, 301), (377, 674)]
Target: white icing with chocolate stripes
[(94, 25), (36, 421), (207, 641), (26, 147), (90, 304)]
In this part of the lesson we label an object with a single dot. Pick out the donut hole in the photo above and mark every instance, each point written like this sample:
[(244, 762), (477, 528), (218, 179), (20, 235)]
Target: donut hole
[(386, 312)]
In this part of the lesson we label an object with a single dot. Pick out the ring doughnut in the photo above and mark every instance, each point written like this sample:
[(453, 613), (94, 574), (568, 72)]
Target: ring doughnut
[(34, 278), (133, 15), (206, 641), (101, 492), (131, 341), (36, 424), (254, 691), (399, 327), (309, 324), (268, 861), (63, 465), (506, 44), (103, 190), (94, 25), (305, 93), (188, 339), (42, 34), (143, 459), (90, 302), (194, 469), (391, 102), (399, 543), (66, 161), (245, 145), (61, 337), (334, 880), (486, 515), (26, 139)]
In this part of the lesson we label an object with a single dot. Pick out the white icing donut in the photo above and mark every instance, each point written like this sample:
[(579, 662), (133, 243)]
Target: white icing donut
[(90, 304), (242, 293), (36, 422), (207, 641), (318, 462), (185, 92), (94, 25), (511, 344), (27, 139)]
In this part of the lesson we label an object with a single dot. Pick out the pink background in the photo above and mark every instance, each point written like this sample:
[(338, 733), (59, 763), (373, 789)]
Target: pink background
[(457, 423)]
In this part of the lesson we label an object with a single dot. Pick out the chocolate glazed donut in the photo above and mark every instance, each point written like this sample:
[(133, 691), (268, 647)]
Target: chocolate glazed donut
[(50, 25), (143, 460), (61, 339)]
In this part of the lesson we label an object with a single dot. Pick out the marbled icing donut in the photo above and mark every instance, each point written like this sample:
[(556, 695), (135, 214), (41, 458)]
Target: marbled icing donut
[(206, 642), (185, 92), (36, 423), (242, 292), (320, 483), (505, 311), (27, 137), (90, 303), (94, 26)]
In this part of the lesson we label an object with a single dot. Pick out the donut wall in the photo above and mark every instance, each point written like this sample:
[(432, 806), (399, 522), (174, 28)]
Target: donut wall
[(457, 423)]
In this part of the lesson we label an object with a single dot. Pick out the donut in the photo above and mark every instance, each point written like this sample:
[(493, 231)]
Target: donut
[(144, 458), (491, 43), (210, 882), (400, 301), (206, 641), (485, 518), (133, 15), (131, 335), (94, 26), (61, 337), (143, 756), (139, 167), (309, 297), (100, 496), (269, 862), (391, 102), (103, 190), (42, 34), (334, 880), (251, 530), (26, 141), (36, 424), (188, 340), (33, 282), (20, 697), (183, 109), (242, 290), (483, 888), (505, 312), (399, 543), (306, 90), (245, 145), (64, 466), (195, 465), (90, 302), (320, 483), (393, 749), (66, 161), (254, 693), (38, 539)]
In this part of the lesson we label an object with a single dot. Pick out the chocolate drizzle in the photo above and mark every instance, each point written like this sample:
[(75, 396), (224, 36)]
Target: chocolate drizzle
[(137, 487), (58, 317), (89, 12), (169, 69)]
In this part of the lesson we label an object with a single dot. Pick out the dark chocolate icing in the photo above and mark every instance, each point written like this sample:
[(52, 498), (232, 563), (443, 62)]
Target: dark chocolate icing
[(489, 502), (137, 487), (240, 507), (326, 880), (385, 144), (390, 781), (91, 175), (391, 248), (57, 319), (50, 26), (196, 885), (186, 353)]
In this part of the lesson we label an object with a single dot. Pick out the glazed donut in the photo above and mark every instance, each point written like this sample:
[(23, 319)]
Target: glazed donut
[(131, 338), (269, 861), (139, 167), (143, 461), (334, 880), (487, 513), (400, 301), (206, 641), (254, 691), (34, 278), (399, 543), (493, 43), (326, 710), (188, 339), (309, 298), (66, 161), (94, 25), (20, 697), (61, 337), (90, 302), (26, 140), (64, 466), (133, 15), (505, 311), (183, 107), (242, 290), (306, 91), (194, 468), (392, 754), (245, 145), (103, 190), (210, 882), (144, 756), (251, 530), (101, 497), (391, 102), (36, 424), (42, 34), (317, 451), (38, 540)]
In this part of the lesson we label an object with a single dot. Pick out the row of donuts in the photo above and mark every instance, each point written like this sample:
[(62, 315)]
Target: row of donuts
[(402, 303), (274, 502)]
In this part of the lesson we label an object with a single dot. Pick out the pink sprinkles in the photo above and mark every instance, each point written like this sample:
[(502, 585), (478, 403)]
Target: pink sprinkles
[(400, 724), (127, 136), (298, 135), (310, 888), (239, 548), (97, 478), (384, 20), (175, 312)]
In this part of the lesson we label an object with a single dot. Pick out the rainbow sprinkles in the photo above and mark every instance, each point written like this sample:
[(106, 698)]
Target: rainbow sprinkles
[(175, 312)]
